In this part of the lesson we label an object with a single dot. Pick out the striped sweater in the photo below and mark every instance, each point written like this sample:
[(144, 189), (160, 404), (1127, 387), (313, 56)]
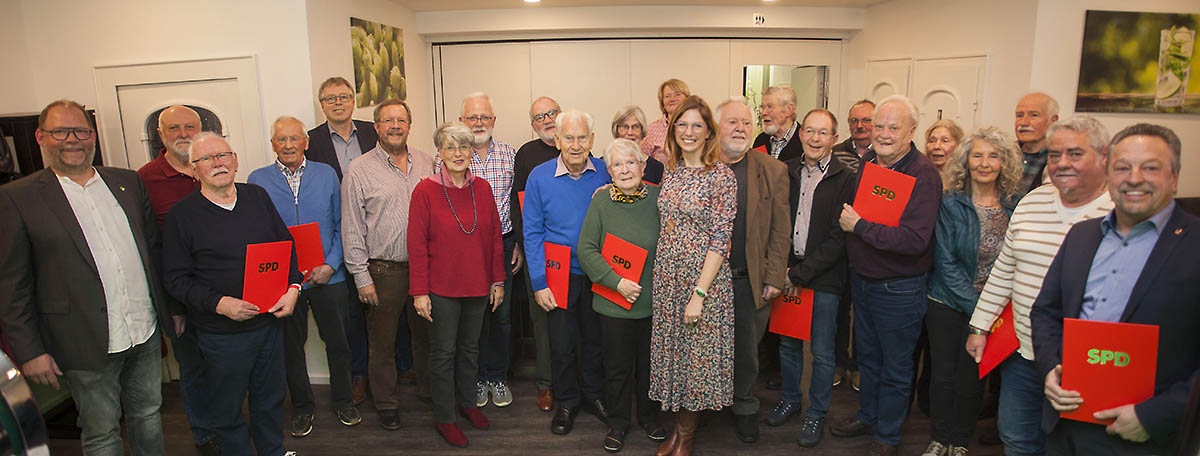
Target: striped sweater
[(1035, 232)]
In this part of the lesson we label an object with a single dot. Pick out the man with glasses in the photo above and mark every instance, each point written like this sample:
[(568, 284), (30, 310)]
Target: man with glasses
[(376, 193), (205, 241), (336, 143), (535, 152), (779, 124), (308, 192), (79, 295)]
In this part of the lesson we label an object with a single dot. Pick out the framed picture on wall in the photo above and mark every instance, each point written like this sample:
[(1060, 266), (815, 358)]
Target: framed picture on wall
[(377, 51), (1138, 62)]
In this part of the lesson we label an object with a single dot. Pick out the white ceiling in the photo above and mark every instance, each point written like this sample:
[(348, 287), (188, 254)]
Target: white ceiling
[(449, 5)]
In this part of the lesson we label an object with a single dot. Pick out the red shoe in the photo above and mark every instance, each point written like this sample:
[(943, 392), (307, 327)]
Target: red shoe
[(452, 434), (478, 421)]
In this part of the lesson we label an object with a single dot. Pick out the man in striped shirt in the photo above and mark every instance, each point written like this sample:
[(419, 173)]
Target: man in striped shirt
[(1076, 162)]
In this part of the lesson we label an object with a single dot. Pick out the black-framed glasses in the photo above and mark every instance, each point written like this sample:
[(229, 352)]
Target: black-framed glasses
[(61, 134), (474, 119), (542, 116), (210, 157), (331, 99)]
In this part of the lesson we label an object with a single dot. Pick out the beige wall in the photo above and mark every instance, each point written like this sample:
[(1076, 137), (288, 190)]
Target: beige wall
[(16, 78)]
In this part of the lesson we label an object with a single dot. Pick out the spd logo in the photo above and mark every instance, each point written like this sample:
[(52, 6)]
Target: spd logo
[(264, 267), (551, 264), (1102, 357), (884, 193), (791, 299), (618, 261)]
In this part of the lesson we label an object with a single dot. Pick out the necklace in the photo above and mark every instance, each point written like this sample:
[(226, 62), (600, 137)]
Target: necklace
[(474, 205)]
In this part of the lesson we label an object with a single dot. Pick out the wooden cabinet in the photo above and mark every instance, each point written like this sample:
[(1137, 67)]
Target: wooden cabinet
[(22, 155)]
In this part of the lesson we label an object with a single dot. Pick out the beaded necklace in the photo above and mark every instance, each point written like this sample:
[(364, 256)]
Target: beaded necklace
[(474, 205)]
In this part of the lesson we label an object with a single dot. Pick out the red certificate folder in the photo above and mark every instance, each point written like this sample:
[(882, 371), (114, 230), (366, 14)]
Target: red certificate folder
[(791, 314), (558, 271), (521, 199), (1001, 343), (266, 276), (883, 194), (627, 260), (1109, 364), (762, 149), (309, 251)]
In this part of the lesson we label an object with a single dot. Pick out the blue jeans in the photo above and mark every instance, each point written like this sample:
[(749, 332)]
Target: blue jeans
[(1020, 414), (791, 358), (241, 364), (497, 327), (132, 378), (887, 322), (193, 385)]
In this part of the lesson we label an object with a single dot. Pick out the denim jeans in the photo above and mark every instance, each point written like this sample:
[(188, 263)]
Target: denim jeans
[(133, 379), (887, 322), (240, 364), (193, 385), (791, 358), (1020, 415), (497, 327)]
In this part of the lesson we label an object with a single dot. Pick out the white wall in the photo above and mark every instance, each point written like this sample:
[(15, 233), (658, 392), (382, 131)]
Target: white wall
[(1055, 65), (16, 77)]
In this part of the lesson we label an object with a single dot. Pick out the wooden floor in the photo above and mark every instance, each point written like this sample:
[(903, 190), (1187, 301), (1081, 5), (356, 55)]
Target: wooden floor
[(522, 429)]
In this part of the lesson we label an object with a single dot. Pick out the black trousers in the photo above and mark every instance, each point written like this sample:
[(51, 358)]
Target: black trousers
[(575, 346), (454, 352), (626, 364), (329, 304), (749, 324), (955, 391), (843, 347), (1077, 438)]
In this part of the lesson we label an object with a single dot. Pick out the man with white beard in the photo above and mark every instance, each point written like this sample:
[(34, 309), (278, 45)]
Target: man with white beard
[(780, 129)]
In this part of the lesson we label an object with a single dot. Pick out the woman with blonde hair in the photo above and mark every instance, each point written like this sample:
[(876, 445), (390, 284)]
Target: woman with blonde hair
[(941, 139), (982, 186), (671, 94)]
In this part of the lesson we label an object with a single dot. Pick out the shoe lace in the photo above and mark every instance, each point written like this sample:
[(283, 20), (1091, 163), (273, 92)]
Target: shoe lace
[(781, 407), (809, 425), (501, 388), (480, 388)]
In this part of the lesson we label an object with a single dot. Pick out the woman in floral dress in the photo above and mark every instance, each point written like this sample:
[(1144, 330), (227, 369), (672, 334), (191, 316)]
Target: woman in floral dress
[(691, 345)]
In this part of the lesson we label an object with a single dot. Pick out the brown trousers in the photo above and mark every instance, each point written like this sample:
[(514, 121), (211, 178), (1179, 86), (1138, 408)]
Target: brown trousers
[(391, 286)]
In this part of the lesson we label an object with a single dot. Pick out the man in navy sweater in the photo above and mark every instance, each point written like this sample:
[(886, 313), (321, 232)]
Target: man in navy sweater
[(204, 256), (308, 192), (557, 196)]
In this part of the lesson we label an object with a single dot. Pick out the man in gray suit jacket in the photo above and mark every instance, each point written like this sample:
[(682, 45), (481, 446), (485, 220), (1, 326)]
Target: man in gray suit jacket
[(80, 295)]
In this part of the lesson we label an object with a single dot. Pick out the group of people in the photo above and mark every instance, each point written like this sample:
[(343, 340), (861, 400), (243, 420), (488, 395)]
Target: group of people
[(715, 222)]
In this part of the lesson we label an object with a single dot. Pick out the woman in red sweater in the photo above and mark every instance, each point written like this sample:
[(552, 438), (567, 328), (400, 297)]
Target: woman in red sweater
[(457, 273)]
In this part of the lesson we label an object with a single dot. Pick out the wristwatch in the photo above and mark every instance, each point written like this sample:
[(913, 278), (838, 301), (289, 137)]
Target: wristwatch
[(979, 332), (701, 293)]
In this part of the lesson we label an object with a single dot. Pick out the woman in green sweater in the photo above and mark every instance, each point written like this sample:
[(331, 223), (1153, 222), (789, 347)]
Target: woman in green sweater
[(625, 211)]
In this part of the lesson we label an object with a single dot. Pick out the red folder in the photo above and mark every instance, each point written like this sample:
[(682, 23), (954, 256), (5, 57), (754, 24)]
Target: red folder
[(1109, 364), (882, 194), (627, 260), (791, 314), (309, 251), (763, 149), (1001, 343), (558, 271), (266, 275), (521, 199)]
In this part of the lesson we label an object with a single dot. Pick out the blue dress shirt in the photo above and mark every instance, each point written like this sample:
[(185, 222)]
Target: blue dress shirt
[(1118, 264)]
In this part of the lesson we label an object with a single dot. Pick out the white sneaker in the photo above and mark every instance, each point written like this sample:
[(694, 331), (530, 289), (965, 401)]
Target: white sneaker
[(481, 393), (935, 449), (501, 395)]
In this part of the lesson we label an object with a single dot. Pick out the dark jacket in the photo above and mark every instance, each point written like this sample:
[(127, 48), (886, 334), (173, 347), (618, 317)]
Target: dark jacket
[(1165, 294), (844, 151), (824, 265), (956, 252), (51, 298), (320, 144), (768, 237), (793, 149)]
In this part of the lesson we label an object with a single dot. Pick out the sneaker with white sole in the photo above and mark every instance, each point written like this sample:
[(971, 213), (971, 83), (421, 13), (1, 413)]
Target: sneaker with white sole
[(935, 448), (481, 393), (501, 395)]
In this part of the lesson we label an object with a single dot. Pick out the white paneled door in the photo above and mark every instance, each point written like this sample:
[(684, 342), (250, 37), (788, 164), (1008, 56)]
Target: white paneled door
[(949, 88)]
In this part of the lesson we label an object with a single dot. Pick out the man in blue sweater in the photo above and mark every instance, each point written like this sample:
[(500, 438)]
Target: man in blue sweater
[(557, 196), (307, 192)]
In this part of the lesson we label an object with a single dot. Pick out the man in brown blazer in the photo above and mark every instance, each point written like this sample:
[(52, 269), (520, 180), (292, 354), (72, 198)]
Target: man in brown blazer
[(80, 295), (758, 257)]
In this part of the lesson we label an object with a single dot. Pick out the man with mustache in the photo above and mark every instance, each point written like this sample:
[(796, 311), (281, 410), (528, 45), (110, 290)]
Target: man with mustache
[(1035, 112), (204, 259), (758, 254), (1076, 162), (308, 192), (375, 196), (1145, 258), (557, 197), (890, 265), (168, 179), (493, 161), (539, 150), (80, 295), (853, 148), (779, 124), (336, 143)]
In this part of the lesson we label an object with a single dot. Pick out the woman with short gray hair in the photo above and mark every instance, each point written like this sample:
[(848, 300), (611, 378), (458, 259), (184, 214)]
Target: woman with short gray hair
[(630, 123)]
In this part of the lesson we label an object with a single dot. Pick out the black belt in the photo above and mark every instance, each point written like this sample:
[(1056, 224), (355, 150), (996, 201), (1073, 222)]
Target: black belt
[(388, 263)]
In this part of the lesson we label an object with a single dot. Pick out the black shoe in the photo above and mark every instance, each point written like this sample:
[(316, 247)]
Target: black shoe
[(302, 425), (811, 431), (614, 441), (210, 448), (564, 420), (775, 384), (349, 416), (849, 427), (746, 427), (389, 419), (596, 407), (655, 432), (782, 412)]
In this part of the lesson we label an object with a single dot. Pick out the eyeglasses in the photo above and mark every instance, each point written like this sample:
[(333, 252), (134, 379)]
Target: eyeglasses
[(634, 127), (61, 134), (476, 119), (542, 116), (332, 99), (209, 158)]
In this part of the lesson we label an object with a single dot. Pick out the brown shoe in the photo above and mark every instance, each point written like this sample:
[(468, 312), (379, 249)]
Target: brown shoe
[(409, 377), (671, 443), (855, 380), (849, 427), (545, 400), (879, 449), (360, 389), (687, 430)]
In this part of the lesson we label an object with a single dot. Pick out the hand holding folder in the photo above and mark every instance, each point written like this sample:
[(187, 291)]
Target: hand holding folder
[(266, 275), (309, 251), (558, 272), (791, 314), (1109, 364), (627, 260), (883, 194)]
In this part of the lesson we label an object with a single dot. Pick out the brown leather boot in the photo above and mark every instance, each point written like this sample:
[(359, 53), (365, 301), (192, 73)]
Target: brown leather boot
[(671, 443), (686, 431)]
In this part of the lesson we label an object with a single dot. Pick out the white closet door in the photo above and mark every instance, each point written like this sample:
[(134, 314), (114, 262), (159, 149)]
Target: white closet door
[(948, 88), (500, 70), (592, 76), (696, 62)]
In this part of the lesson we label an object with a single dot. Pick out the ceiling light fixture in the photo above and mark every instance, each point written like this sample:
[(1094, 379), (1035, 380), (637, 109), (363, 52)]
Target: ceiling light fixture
[(533, 1)]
